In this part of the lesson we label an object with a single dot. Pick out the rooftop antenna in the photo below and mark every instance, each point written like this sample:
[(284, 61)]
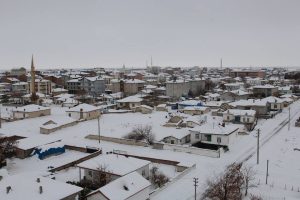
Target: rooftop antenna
[(151, 62)]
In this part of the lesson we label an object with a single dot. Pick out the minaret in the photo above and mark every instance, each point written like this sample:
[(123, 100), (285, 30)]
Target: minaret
[(32, 83)]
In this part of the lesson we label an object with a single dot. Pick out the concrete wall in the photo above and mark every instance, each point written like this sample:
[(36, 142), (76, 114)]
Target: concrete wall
[(47, 131), (192, 150), (39, 113), (117, 140)]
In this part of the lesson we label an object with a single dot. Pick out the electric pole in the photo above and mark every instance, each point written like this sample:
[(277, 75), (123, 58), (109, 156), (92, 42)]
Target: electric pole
[(267, 174), (99, 127), (258, 133), (0, 116), (196, 185), (289, 117)]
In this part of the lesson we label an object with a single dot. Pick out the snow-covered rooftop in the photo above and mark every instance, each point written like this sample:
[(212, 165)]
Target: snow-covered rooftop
[(215, 129), (240, 112), (31, 108), (83, 107), (114, 164), (26, 186), (125, 187), (130, 99)]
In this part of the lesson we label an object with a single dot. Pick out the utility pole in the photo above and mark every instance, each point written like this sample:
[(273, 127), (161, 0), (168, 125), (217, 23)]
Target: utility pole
[(289, 117), (195, 185), (267, 174), (99, 128), (0, 116), (258, 133)]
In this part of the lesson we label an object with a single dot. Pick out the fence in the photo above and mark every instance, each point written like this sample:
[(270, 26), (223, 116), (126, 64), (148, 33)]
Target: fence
[(117, 140), (73, 163), (174, 180), (192, 150)]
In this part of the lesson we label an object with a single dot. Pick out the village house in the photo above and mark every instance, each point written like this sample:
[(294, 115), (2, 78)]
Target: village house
[(132, 86), (145, 109), (93, 85), (264, 90), (83, 111), (215, 134), (57, 124), (30, 111), (132, 186), (234, 95), (58, 91), (20, 88), (189, 103), (131, 102), (177, 138), (196, 110), (239, 116), (33, 187), (258, 105), (161, 107), (43, 86), (112, 167)]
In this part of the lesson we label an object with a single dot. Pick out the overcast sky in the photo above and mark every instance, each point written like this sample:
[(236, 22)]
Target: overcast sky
[(110, 33)]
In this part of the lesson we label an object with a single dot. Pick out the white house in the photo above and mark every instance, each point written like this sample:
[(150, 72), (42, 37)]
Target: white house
[(131, 102), (31, 111), (83, 111), (132, 186), (196, 110), (214, 134), (239, 116), (177, 138), (113, 166)]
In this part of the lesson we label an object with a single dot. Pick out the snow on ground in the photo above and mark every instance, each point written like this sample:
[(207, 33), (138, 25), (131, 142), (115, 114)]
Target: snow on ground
[(116, 125), (284, 165)]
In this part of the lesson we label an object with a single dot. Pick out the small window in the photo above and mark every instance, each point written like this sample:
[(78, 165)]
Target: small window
[(208, 137), (90, 173), (219, 140), (133, 105), (275, 105), (248, 120), (143, 172), (69, 114), (172, 141), (227, 117), (197, 136)]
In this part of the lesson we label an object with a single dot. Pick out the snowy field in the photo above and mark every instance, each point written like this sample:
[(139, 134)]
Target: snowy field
[(278, 148)]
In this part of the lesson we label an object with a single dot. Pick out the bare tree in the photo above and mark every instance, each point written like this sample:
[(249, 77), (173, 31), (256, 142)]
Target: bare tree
[(227, 186), (7, 148), (249, 177), (140, 133), (158, 178)]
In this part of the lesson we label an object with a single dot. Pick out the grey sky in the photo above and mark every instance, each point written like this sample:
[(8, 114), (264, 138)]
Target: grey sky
[(108, 33)]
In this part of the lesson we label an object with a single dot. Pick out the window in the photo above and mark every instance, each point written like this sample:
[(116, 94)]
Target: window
[(219, 140), (90, 173), (197, 136), (172, 141), (143, 172), (133, 105), (227, 117), (275, 105), (69, 114), (208, 137), (248, 120)]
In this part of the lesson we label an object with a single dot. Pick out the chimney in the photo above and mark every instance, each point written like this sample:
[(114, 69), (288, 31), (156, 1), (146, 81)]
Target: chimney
[(41, 189), (8, 188)]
